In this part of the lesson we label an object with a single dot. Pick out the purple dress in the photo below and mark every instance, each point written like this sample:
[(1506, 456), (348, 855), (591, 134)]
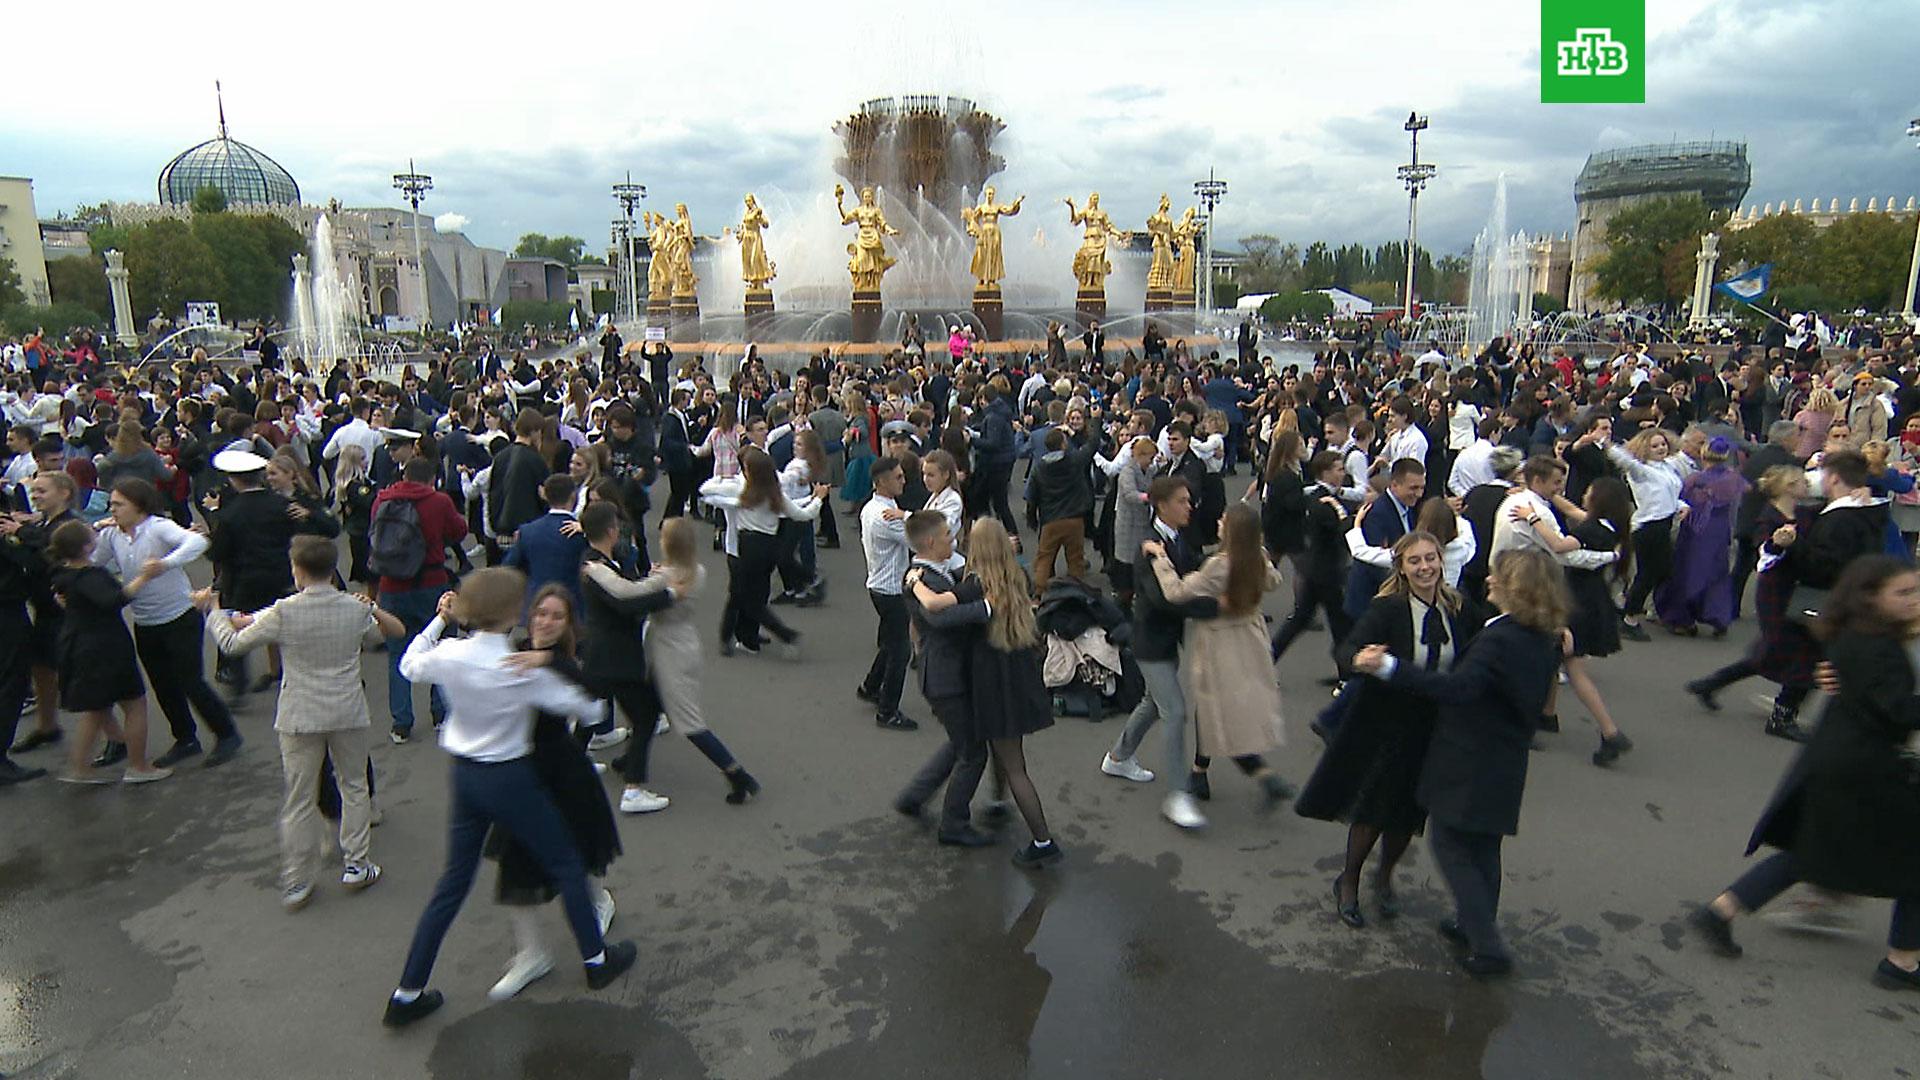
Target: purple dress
[(1700, 589)]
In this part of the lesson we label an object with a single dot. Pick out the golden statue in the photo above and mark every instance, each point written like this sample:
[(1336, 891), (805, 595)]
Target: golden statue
[(1090, 266), (1185, 242), (1160, 231), (755, 268), (983, 223), (869, 249), (660, 243), (680, 249)]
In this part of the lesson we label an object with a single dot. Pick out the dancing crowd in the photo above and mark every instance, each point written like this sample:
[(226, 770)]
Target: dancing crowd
[(523, 538)]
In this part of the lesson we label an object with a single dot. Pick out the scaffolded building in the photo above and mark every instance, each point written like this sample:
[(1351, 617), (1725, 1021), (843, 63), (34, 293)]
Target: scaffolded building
[(1612, 179)]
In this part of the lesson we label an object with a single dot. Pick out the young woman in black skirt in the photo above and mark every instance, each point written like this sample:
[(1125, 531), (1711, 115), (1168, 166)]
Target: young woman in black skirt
[(1596, 619), (560, 759), (95, 657)]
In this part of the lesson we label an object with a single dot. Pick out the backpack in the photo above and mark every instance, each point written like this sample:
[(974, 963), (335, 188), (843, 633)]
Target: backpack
[(397, 546)]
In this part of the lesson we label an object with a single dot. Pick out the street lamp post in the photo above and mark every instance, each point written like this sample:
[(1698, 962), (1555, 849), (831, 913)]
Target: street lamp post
[(1913, 268), (1415, 176), (413, 186), (1210, 191), (622, 295), (628, 194)]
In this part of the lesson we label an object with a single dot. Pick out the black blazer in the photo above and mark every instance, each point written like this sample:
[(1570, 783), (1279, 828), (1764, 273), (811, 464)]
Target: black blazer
[(1283, 514), (1490, 703), (946, 637), (611, 651), (676, 451), (1159, 623)]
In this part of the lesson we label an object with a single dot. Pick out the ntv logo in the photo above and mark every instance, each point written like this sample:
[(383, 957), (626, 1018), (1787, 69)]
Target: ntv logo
[(1592, 52)]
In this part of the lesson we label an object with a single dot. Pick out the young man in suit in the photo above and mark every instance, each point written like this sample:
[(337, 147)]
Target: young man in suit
[(549, 548), (676, 455), (883, 539), (1391, 518), (1159, 625), (1323, 564), (946, 640)]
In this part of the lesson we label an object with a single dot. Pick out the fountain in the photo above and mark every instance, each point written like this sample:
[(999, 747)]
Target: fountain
[(1498, 298), (324, 323)]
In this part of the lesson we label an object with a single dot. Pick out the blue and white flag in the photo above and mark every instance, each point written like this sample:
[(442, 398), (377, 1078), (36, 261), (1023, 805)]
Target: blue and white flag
[(499, 316), (573, 319), (1749, 286)]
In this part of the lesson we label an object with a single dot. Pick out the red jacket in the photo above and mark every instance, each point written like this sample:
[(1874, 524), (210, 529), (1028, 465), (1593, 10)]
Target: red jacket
[(440, 524)]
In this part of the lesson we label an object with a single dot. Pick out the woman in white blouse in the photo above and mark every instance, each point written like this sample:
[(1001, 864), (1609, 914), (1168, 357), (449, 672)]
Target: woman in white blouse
[(1655, 475)]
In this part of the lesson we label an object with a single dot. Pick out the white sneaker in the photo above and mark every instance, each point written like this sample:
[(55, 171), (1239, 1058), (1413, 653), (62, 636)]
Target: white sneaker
[(603, 910), (1126, 770), (611, 738), (641, 801), (296, 896), (1183, 810), (660, 726), (360, 875), (526, 968)]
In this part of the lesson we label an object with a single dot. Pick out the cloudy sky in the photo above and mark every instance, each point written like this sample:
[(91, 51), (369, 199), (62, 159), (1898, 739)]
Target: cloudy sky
[(526, 118)]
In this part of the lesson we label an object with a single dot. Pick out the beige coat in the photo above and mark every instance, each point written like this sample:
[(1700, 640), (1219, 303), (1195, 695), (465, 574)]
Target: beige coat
[(1226, 667)]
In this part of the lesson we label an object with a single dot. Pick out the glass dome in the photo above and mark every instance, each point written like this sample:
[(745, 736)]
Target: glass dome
[(236, 170)]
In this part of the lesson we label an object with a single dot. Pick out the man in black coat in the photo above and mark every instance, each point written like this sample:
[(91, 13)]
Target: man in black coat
[(1159, 626), (513, 490), (611, 662), (253, 530), (946, 641), (1323, 559), (676, 454)]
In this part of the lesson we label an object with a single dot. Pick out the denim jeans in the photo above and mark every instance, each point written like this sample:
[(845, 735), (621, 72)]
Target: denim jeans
[(415, 608)]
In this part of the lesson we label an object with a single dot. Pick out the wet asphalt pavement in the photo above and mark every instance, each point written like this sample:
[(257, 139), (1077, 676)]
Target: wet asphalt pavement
[(816, 934)]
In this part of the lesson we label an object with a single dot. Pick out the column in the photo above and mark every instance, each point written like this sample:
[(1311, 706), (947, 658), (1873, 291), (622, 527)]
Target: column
[(1703, 266), (124, 332)]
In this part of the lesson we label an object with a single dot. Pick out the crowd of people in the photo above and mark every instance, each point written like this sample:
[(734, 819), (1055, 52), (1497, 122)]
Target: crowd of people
[(524, 538)]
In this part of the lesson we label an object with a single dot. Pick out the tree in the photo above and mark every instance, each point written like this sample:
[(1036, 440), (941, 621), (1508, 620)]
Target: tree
[(1226, 293), (1547, 304), (541, 314), (209, 200), (1785, 240), (167, 265), (565, 249), (11, 290), (58, 320), (1861, 260), (82, 282), (255, 254), (1290, 306), (1642, 240), (1260, 262)]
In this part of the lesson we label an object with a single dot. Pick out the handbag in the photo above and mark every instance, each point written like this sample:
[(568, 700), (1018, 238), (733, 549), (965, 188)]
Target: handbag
[(1805, 601)]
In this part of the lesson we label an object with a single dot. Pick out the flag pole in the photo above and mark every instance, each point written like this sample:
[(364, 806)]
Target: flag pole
[(1758, 308)]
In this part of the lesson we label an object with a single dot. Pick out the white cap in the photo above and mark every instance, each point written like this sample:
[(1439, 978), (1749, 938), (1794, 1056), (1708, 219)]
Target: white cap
[(238, 461), (399, 433)]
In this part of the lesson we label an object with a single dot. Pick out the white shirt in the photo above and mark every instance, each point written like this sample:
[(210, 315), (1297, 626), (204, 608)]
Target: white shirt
[(1472, 468), (1453, 558), (1511, 535), (1656, 485), (355, 432), (885, 545), (1408, 442), (724, 492), (1463, 425), (166, 597), (490, 706), (1418, 609), (952, 507)]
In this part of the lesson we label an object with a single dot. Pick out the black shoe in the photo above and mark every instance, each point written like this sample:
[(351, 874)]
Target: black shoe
[(1611, 749), (786, 597), (744, 787), (726, 647), (1549, 723), (620, 957), (997, 814), (112, 754), (1349, 912), (1704, 691), (223, 751), (750, 650), (400, 1014), (1717, 931), (1786, 727), (813, 595), (1033, 856), (967, 836), (1384, 896), (181, 751), (871, 697), (1482, 966), (906, 807), (1892, 976), (12, 772), (828, 543), (1277, 790), (895, 721), (1199, 787), (37, 739), (1450, 929), (1634, 632)]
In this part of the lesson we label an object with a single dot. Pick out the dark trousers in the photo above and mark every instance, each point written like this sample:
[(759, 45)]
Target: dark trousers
[(795, 556), (174, 655), (1789, 697), (889, 671), (16, 670), (1779, 871), (961, 761), (680, 489), (1746, 559), (750, 585), (1652, 560), (1470, 861), (993, 481), (508, 794), (827, 526), (1314, 593), (638, 700)]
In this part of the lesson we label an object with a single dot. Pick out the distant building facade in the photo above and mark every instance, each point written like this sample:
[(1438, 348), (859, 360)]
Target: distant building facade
[(1612, 180), (20, 238)]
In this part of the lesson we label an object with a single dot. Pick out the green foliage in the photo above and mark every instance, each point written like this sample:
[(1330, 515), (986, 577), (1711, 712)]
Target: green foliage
[(541, 314), (1381, 293), (566, 249), (1545, 304), (255, 254), (58, 320), (167, 265), (1225, 293), (603, 301), (1650, 248), (1288, 306), (1861, 260), (209, 200), (1793, 298), (1272, 265), (11, 290), (82, 282), (1785, 240)]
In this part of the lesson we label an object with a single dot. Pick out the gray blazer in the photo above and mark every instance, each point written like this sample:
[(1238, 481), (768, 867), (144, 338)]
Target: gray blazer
[(1131, 514), (946, 637)]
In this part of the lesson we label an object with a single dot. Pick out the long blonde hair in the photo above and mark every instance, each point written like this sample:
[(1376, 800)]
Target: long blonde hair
[(677, 549), (990, 557), (1397, 583), (1533, 589)]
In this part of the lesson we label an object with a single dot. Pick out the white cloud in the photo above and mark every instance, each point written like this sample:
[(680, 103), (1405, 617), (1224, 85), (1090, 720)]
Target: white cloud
[(449, 222)]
